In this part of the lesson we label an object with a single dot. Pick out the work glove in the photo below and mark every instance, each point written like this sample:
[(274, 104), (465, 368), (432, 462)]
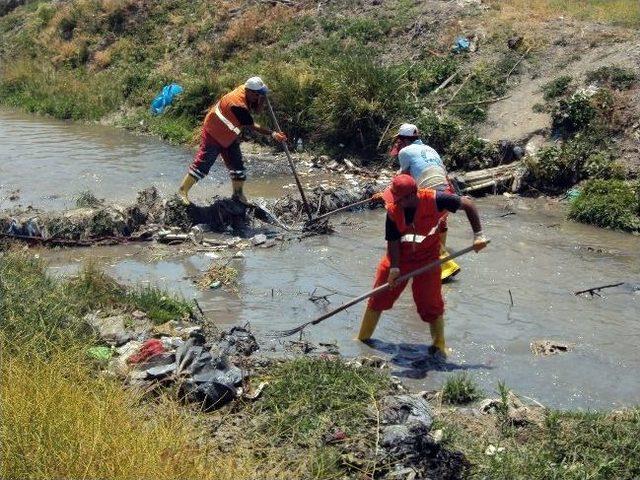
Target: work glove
[(377, 197), (394, 273), (479, 241), (279, 137)]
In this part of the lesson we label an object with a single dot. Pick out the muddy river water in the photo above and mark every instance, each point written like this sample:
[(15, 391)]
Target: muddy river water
[(518, 290)]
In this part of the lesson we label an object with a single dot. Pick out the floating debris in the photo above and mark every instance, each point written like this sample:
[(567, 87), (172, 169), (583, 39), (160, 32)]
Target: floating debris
[(218, 275), (549, 347)]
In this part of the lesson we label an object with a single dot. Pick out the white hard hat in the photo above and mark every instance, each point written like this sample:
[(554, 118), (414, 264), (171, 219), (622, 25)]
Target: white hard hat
[(257, 85), (408, 130)]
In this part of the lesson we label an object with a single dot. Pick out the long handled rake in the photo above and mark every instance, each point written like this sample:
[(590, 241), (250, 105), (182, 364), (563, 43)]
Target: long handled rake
[(381, 288), (305, 204), (341, 209)]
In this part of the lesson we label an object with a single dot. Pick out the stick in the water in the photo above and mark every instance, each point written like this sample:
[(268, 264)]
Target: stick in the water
[(594, 291)]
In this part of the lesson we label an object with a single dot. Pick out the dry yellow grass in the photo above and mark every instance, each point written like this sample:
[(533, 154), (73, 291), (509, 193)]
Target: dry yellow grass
[(59, 420), (619, 12)]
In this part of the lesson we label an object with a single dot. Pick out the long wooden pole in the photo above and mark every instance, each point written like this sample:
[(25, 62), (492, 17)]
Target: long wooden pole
[(373, 292), (307, 209), (346, 207)]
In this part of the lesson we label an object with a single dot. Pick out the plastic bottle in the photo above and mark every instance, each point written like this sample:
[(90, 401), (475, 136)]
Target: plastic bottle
[(299, 145)]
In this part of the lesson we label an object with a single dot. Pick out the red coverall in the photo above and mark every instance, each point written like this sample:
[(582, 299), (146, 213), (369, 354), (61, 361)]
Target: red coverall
[(420, 244)]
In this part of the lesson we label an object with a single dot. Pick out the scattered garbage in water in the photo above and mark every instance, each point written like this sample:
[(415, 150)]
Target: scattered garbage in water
[(549, 347)]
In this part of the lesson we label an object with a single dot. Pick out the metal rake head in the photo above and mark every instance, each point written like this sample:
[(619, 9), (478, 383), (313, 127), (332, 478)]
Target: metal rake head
[(287, 333)]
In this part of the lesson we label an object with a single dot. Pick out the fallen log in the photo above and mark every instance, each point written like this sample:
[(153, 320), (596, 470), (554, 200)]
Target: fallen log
[(495, 177)]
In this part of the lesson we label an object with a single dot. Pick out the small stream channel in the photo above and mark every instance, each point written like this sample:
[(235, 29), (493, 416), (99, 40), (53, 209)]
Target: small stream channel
[(536, 254)]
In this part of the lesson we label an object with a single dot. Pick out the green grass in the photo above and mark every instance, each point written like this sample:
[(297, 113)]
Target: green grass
[(567, 445), (32, 304), (460, 388), (557, 87), (613, 76), (309, 396)]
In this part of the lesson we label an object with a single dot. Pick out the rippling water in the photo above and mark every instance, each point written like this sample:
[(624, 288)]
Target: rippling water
[(536, 254)]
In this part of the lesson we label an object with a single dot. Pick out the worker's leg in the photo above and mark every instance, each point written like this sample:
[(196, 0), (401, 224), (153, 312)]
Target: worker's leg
[(427, 293), (232, 157), (380, 302), (199, 168)]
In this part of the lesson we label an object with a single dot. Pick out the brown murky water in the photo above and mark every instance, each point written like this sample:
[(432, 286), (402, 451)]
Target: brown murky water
[(537, 255), (52, 161)]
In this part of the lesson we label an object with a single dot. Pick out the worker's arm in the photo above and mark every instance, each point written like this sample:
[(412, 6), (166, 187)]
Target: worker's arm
[(277, 136), (393, 251), (469, 207), (246, 120)]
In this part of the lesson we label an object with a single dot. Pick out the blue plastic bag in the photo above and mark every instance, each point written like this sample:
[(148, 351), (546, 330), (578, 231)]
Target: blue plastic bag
[(462, 45), (164, 98)]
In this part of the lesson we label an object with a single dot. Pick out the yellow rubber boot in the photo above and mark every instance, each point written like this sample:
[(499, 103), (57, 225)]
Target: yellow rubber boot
[(450, 268), (369, 323), (187, 182), (237, 191), (437, 336)]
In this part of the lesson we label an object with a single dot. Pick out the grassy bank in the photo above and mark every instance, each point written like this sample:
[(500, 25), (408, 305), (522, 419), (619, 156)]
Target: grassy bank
[(551, 444), (337, 84), (618, 12), (60, 419), (63, 419), (317, 418)]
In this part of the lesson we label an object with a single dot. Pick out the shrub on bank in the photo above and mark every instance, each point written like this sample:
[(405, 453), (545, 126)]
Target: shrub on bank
[(608, 203), (460, 389), (557, 87), (558, 167), (613, 76)]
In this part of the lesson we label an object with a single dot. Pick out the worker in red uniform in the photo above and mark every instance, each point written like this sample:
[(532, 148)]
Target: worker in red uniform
[(414, 217), (220, 136)]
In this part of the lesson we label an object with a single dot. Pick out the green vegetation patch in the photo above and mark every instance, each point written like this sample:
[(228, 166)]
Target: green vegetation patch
[(308, 397), (567, 445), (608, 203), (35, 305), (557, 87), (460, 388), (613, 76)]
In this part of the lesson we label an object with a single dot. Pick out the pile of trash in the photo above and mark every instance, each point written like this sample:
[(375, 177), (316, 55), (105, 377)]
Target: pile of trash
[(408, 443), (323, 199), (151, 217), (100, 222), (174, 353)]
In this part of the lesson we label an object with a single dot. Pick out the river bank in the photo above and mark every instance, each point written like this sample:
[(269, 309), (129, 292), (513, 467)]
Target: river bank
[(317, 416), (526, 80)]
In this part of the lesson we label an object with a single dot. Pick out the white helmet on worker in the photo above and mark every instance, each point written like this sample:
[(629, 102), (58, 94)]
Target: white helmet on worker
[(257, 85), (408, 130)]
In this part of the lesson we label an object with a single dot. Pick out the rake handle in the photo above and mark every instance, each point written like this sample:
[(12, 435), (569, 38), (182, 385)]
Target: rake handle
[(346, 207), (382, 288), (307, 209)]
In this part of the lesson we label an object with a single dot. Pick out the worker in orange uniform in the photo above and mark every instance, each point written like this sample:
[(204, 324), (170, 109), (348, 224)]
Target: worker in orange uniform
[(414, 217), (220, 136)]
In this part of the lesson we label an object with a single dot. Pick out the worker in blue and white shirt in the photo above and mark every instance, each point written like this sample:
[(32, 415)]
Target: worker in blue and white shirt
[(427, 168), (418, 159)]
